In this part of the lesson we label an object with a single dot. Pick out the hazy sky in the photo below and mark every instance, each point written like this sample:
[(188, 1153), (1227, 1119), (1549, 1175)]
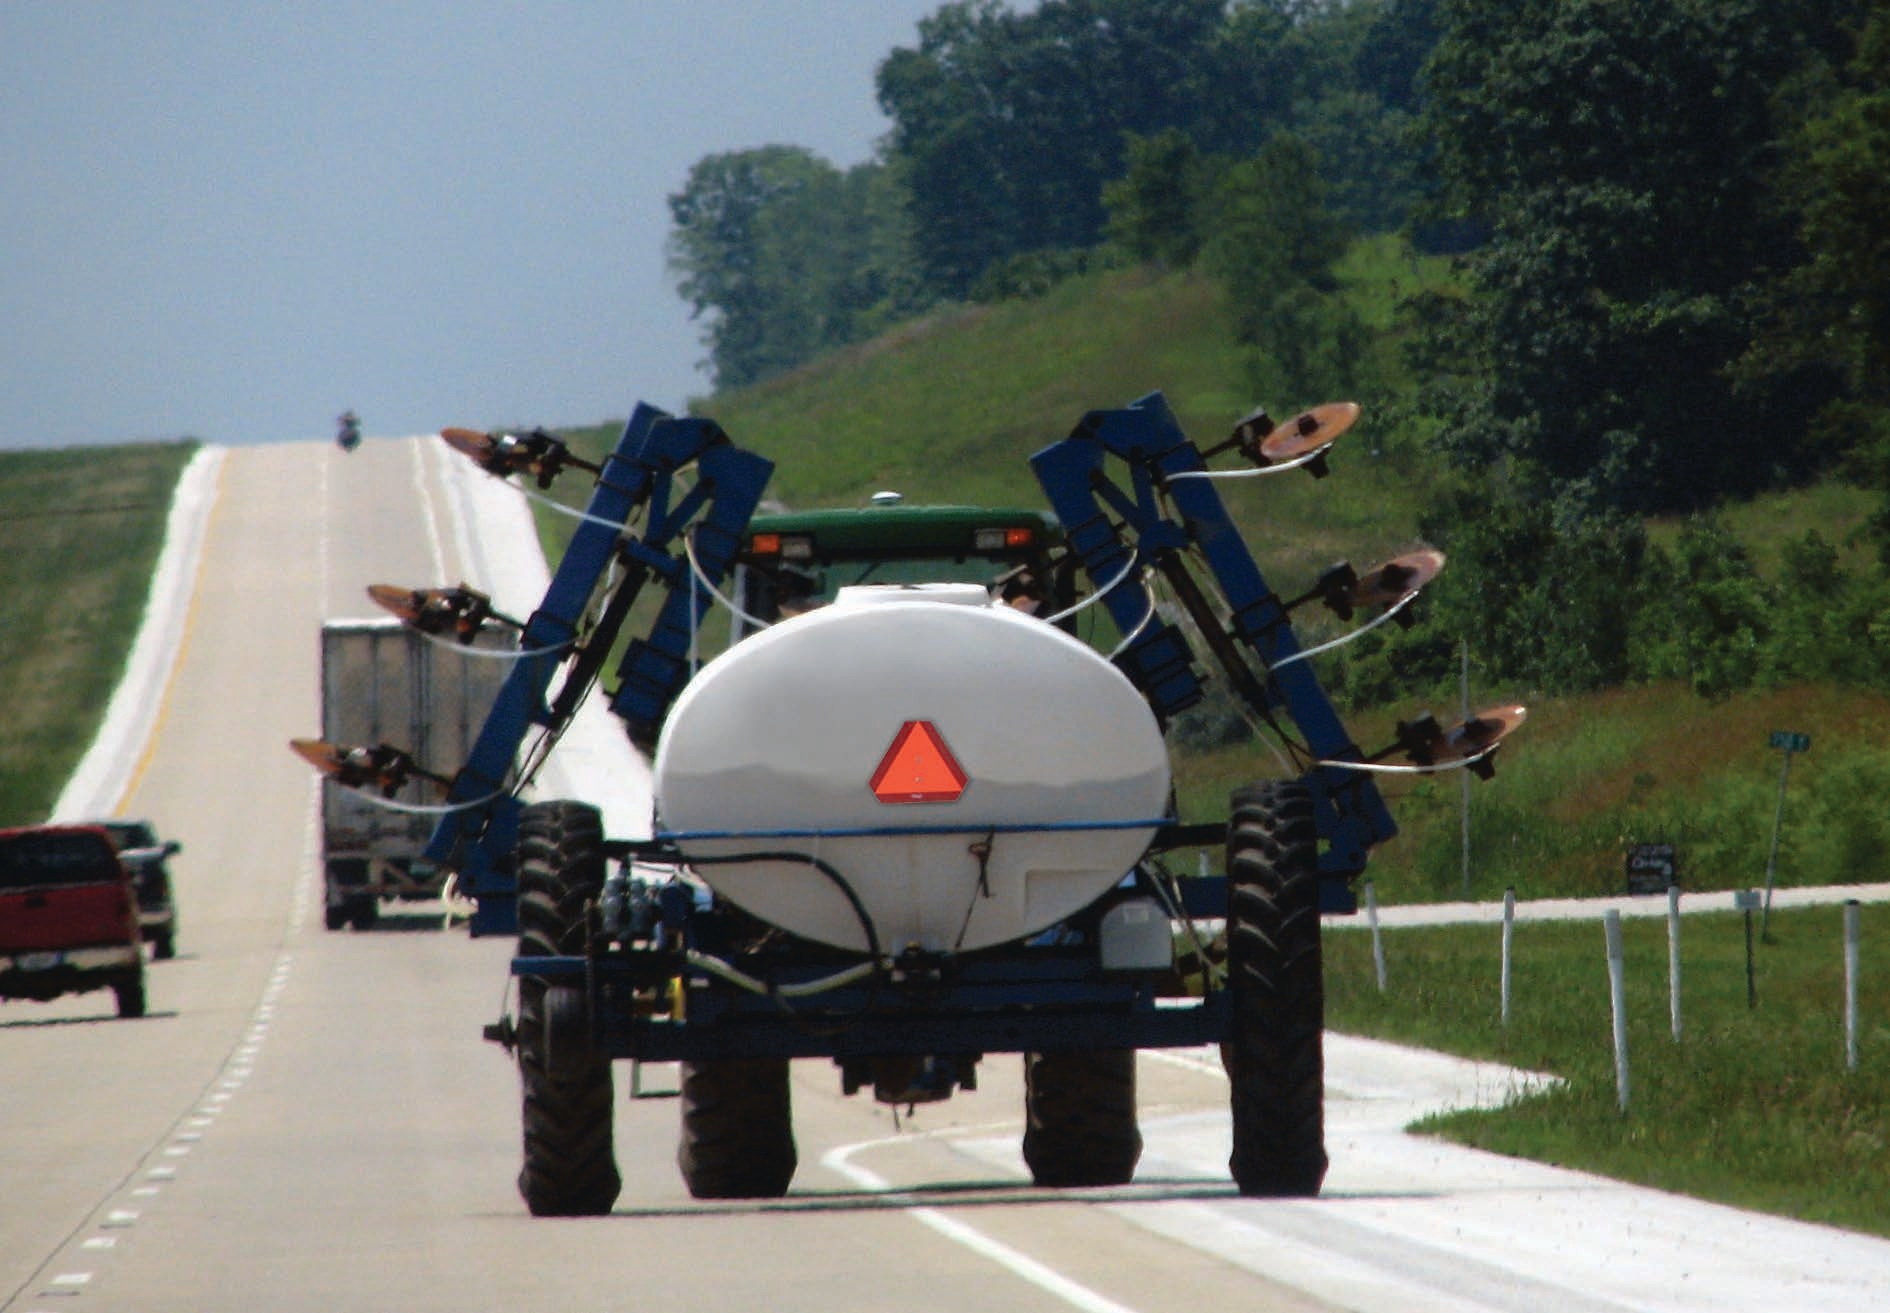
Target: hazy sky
[(232, 219)]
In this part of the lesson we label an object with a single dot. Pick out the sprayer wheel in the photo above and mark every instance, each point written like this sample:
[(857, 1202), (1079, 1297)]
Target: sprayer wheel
[(737, 1129), (1080, 1127), (570, 1168), (1275, 1052)]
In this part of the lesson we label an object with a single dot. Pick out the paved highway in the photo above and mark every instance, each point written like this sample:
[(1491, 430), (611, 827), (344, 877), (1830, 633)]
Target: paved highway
[(309, 1121)]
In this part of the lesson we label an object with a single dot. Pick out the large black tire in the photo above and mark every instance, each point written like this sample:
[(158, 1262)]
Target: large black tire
[(570, 1165), (1275, 1053), (130, 995), (1080, 1127), (737, 1129), (342, 876)]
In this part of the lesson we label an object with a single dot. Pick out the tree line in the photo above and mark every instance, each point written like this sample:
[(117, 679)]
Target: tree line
[(1672, 223), (1007, 129)]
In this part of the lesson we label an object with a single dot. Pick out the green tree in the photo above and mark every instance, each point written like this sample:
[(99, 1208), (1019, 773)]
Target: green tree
[(1714, 616), (1008, 124), (1154, 208), (1272, 246), (787, 257), (1830, 314), (1830, 624), (1617, 153), (1546, 593), (1342, 77)]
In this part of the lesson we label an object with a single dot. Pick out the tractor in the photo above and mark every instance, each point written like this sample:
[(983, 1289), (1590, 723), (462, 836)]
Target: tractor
[(918, 809)]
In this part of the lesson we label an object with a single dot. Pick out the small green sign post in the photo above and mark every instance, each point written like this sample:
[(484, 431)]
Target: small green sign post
[(1788, 742)]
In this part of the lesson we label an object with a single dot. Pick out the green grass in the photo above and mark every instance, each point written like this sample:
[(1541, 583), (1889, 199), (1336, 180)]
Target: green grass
[(1752, 1107), (1837, 511), (1587, 777), (951, 407), (80, 532)]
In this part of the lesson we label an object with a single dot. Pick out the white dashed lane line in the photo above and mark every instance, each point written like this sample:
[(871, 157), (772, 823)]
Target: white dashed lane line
[(159, 1172), (191, 1131)]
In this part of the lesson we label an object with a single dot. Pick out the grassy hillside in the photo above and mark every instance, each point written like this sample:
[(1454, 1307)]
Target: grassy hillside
[(952, 407), (80, 533)]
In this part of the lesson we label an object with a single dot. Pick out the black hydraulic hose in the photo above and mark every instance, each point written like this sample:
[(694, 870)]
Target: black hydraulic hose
[(846, 889), (840, 882)]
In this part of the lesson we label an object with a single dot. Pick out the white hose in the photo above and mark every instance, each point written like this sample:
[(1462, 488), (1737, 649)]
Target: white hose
[(1148, 592), (1381, 768), (617, 526), (491, 653), (715, 966), (1259, 471), (1343, 639), (695, 566), (421, 809), (1094, 597)]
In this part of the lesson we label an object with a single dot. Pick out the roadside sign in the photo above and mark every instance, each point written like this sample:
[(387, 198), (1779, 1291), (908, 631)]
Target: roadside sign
[(1791, 741), (1652, 868), (1747, 900)]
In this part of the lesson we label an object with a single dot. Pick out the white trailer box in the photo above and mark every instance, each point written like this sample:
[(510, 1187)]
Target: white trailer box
[(385, 683)]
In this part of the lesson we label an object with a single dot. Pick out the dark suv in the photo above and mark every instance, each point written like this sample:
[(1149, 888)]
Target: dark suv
[(144, 855), (68, 917)]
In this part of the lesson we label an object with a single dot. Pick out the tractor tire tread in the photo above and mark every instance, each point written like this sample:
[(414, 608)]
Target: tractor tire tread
[(1275, 1054), (570, 1167)]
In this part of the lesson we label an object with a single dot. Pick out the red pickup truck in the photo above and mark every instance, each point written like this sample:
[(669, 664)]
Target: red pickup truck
[(68, 917)]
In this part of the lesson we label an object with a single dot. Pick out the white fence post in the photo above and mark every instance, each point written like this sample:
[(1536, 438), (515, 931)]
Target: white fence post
[(1673, 957), (1378, 939), (1509, 936), (1853, 932), (1617, 994)]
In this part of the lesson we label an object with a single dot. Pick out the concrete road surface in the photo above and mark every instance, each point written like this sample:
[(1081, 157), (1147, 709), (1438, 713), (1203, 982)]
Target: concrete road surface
[(308, 1120)]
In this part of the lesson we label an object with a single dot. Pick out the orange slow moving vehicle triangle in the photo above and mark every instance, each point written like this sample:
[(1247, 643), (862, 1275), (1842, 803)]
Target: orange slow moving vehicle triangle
[(918, 767)]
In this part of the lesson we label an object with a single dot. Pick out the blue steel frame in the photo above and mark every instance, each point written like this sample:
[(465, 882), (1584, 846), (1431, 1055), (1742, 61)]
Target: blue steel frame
[(1037, 996), (1250, 642), (638, 475)]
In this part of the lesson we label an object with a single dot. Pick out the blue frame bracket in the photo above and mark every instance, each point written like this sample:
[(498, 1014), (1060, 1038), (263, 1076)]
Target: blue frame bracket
[(478, 838), (1249, 643)]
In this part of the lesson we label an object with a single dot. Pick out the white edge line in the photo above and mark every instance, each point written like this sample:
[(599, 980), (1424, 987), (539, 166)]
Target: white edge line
[(1038, 1274), (97, 785), (424, 494)]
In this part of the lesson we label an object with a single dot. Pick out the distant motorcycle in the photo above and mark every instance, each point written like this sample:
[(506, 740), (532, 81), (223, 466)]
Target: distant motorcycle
[(348, 436)]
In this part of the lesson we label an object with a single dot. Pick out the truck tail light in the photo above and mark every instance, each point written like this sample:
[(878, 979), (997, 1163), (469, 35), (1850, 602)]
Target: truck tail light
[(996, 540)]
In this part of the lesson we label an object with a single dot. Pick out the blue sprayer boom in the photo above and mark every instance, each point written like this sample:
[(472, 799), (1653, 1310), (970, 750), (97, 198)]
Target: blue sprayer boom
[(910, 816)]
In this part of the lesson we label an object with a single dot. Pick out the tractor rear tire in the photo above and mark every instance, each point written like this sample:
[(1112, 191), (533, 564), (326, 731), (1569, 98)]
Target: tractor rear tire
[(1079, 1127), (1276, 1047), (737, 1129), (570, 1167), (1275, 1052)]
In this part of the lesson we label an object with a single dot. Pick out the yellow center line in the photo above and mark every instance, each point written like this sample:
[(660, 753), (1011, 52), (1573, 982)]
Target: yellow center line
[(183, 650)]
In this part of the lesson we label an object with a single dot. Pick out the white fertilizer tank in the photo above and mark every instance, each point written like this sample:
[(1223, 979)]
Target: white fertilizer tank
[(971, 773)]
